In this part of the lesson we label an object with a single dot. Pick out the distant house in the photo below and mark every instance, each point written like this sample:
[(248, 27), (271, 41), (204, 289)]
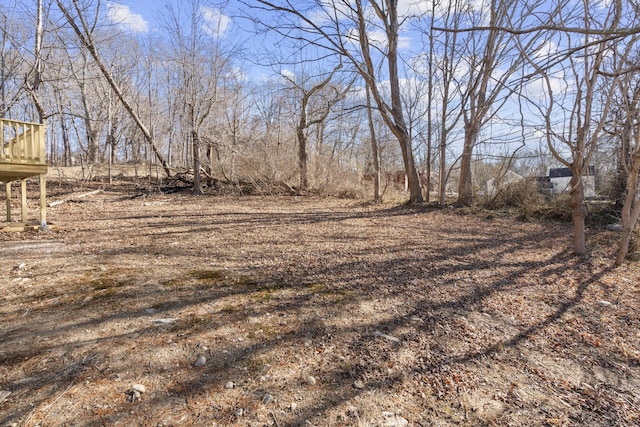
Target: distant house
[(494, 185), (561, 177)]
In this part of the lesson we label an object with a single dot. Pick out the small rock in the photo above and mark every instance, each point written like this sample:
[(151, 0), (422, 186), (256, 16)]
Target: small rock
[(387, 336), (614, 227), (394, 420), (138, 388), (311, 380), (26, 380), (150, 310), (4, 394), (605, 303), (359, 384), (267, 399), (229, 385), (20, 267), (293, 406), (200, 361), (165, 321), (239, 412), (353, 411)]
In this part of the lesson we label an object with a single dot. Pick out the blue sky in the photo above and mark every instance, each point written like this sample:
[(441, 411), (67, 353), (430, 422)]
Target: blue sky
[(140, 15)]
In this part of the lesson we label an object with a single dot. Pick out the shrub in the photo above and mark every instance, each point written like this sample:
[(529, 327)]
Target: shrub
[(522, 196)]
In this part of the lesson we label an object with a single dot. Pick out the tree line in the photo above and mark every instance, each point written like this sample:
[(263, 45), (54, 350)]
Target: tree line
[(352, 88)]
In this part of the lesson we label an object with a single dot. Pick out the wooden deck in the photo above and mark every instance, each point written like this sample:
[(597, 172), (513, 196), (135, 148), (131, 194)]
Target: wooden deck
[(22, 156)]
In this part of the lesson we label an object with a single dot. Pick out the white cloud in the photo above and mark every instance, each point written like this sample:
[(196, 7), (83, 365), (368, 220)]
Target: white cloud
[(538, 90), (377, 38), (408, 8), (547, 50), (215, 23), (288, 74), (124, 17)]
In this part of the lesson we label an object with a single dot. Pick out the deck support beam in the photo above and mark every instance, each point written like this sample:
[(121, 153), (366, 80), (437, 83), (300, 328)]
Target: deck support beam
[(43, 200), (8, 194), (23, 200)]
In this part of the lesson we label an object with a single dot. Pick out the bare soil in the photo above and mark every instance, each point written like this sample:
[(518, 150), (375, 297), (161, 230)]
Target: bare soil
[(402, 316)]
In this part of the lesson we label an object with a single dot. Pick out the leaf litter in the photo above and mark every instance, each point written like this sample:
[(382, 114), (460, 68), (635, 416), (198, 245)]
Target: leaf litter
[(438, 318)]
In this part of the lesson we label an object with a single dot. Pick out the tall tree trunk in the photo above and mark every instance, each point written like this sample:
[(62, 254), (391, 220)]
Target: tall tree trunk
[(578, 210), (401, 131), (65, 142), (302, 150), (374, 150), (197, 185), (465, 184), (443, 169), (630, 211)]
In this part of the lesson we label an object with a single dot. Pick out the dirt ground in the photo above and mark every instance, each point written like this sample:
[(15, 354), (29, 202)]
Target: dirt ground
[(308, 311)]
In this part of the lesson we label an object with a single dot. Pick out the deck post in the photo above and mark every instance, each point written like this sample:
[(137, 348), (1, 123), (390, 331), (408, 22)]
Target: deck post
[(23, 200), (43, 200), (8, 193)]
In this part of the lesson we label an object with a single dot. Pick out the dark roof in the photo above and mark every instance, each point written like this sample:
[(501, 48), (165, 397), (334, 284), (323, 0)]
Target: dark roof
[(559, 173), (566, 172)]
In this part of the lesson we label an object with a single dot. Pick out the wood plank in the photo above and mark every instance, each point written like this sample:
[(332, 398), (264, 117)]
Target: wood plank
[(16, 171)]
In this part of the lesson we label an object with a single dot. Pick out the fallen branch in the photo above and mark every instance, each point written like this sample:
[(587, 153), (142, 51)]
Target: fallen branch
[(73, 198)]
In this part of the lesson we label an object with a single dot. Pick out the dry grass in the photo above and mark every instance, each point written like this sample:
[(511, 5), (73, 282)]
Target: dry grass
[(495, 323)]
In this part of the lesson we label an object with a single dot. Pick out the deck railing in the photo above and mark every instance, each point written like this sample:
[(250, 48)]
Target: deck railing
[(22, 142)]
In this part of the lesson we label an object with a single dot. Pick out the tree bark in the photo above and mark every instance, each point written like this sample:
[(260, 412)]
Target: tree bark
[(465, 184), (578, 212), (630, 210), (197, 184), (374, 150), (302, 154)]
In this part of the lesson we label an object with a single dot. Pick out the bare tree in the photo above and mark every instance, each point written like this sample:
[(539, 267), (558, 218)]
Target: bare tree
[(312, 111), (491, 61), (342, 28), (375, 149), (574, 140), (76, 15), (624, 127), (449, 93)]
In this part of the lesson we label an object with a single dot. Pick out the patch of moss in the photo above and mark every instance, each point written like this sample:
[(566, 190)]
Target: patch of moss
[(228, 309), (210, 276), (242, 280), (102, 283), (104, 293), (194, 323), (171, 283), (263, 295), (315, 287)]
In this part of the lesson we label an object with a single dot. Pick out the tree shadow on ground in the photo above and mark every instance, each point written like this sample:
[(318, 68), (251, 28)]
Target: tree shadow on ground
[(414, 315)]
